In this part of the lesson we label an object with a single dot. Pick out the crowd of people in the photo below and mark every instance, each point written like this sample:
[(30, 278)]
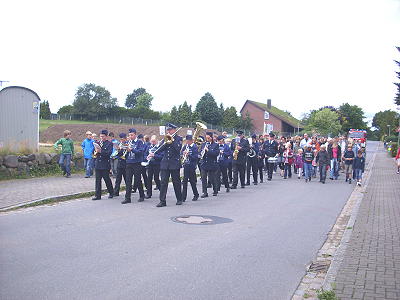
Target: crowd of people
[(146, 163)]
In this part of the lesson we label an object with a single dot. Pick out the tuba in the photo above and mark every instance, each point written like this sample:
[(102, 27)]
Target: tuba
[(199, 126), (251, 153)]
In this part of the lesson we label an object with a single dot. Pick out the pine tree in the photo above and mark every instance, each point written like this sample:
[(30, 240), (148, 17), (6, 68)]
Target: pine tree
[(208, 109), (45, 112)]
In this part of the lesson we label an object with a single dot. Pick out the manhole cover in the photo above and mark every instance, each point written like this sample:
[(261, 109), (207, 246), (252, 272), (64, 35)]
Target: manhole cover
[(319, 266), (200, 220)]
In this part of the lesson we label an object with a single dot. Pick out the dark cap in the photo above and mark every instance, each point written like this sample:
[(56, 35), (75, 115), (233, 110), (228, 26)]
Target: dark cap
[(220, 137), (104, 131), (170, 126), (239, 131), (189, 137), (122, 135), (132, 130), (140, 136), (254, 136), (209, 133), (271, 134)]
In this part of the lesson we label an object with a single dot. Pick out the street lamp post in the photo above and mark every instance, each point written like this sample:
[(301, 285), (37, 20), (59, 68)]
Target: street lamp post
[(388, 130)]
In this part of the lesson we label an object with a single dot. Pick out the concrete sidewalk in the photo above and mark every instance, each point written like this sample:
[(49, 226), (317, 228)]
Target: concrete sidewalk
[(371, 264)]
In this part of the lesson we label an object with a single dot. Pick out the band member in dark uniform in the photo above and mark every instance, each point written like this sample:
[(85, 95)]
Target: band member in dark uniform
[(223, 157), (103, 152), (260, 158), (153, 169), (190, 155), (121, 166), (252, 162), (209, 166), (143, 169), (240, 146), (170, 165), (134, 158), (271, 151), (228, 141)]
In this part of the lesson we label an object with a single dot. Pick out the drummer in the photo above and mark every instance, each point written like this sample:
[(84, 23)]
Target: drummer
[(271, 152)]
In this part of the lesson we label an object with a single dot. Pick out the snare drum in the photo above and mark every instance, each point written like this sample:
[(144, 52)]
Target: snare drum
[(272, 160)]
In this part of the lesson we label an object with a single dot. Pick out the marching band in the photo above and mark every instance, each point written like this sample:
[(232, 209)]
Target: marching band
[(220, 161)]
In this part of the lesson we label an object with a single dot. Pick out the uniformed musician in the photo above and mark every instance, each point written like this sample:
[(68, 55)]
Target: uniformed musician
[(103, 152), (121, 166), (228, 141), (190, 154), (252, 162), (271, 151), (153, 169), (170, 165), (209, 166), (240, 146), (260, 158), (134, 158), (224, 156)]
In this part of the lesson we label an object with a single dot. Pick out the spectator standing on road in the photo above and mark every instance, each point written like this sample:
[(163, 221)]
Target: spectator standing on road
[(88, 149), (334, 152), (67, 152), (308, 156), (299, 163), (348, 157), (305, 141), (323, 162), (288, 160), (358, 166)]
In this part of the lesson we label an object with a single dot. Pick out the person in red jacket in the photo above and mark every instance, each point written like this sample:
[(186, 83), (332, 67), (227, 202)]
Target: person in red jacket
[(398, 160)]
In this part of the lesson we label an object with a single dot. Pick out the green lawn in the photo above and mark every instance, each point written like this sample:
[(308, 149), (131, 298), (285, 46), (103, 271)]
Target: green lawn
[(44, 124)]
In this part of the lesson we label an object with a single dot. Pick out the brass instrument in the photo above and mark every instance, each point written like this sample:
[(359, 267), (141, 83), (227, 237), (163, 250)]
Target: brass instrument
[(236, 151), (203, 152), (221, 153), (199, 126), (96, 144), (185, 155), (251, 153), (169, 139), (124, 146)]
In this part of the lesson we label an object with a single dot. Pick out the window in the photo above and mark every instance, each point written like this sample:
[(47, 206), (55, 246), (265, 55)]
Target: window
[(266, 115), (268, 128)]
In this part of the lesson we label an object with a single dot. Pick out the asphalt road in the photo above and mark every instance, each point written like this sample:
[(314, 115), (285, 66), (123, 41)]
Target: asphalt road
[(86, 249)]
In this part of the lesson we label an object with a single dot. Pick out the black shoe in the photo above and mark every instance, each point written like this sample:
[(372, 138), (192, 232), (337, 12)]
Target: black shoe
[(110, 196), (209, 186), (161, 204), (284, 177), (87, 176), (233, 187), (204, 196), (179, 202), (141, 199), (247, 183), (195, 198), (269, 179), (96, 198), (125, 201), (156, 189), (306, 179), (184, 200), (147, 197), (215, 194), (133, 190), (242, 187), (323, 181), (68, 176), (261, 181), (349, 181), (227, 190), (116, 194), (255, 183)]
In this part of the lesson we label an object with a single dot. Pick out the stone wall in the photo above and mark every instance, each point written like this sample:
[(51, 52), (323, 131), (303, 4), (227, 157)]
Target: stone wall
[(21, 165)]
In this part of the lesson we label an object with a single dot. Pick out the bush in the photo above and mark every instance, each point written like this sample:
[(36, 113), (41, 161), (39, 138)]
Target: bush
[(389, 138), (327, 295), (393, 149)]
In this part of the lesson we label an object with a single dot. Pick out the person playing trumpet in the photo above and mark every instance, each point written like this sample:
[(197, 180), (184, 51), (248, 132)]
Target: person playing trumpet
[(223, 160), (241, 146), (190, 155), (170, 165), (121, 166), (153, 168), (252, 162)]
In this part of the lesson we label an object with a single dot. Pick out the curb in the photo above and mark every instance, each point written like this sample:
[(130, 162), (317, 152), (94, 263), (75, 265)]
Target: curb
[(321, 272)]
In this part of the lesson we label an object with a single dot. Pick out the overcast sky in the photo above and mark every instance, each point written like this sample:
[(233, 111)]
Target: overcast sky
[(301, 54)]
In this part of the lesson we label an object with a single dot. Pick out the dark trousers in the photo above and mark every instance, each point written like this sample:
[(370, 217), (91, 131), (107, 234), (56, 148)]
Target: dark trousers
[(144, 175), (260, 172), (322, 172), (288, 171), (153, 173), (222, 172), (176, 181), (133, 170), (103, 174), (251, 167), (121, 172), (189, 175), (211, 175), (230, 172), (270, 168), (238, 171)]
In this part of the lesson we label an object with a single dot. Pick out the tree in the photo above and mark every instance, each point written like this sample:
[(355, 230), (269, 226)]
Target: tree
[(66, 109), (45, 112), (144, 100), (397, 97), (324, 122), (208, 109), (131, 99), (184, 114), (352, 117), (247, 122), (174, 118), (92, 101), (230, 118), (382, 119)]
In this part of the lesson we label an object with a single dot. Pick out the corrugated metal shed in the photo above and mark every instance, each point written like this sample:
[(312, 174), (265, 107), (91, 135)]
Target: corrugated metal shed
[(19, 118)]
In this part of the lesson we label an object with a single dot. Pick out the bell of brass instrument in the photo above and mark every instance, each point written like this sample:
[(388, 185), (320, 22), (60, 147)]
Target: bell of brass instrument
[(199, 127), (169, 139), (124, 146), (236, 151)]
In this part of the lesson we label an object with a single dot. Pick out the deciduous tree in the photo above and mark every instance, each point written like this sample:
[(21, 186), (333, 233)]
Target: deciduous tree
[(324, 122)]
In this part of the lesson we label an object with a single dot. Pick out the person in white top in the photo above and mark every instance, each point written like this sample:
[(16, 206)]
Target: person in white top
[(305, 141)]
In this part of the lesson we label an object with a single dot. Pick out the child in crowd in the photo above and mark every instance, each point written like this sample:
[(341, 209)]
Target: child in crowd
[(359, 165), (314, 163), (88, 149), (67, 152), (298, 162), (348, 158), (288, 160), (308, 157)]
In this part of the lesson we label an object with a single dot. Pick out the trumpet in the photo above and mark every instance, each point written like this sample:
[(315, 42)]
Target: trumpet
[(124, 146)]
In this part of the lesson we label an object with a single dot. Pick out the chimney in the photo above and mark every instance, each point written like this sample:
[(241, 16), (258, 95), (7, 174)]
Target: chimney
[(269, 103)]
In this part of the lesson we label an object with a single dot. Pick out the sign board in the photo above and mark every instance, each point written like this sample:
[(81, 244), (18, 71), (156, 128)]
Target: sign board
[(162, 130), (266, 115), (189, 132)]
